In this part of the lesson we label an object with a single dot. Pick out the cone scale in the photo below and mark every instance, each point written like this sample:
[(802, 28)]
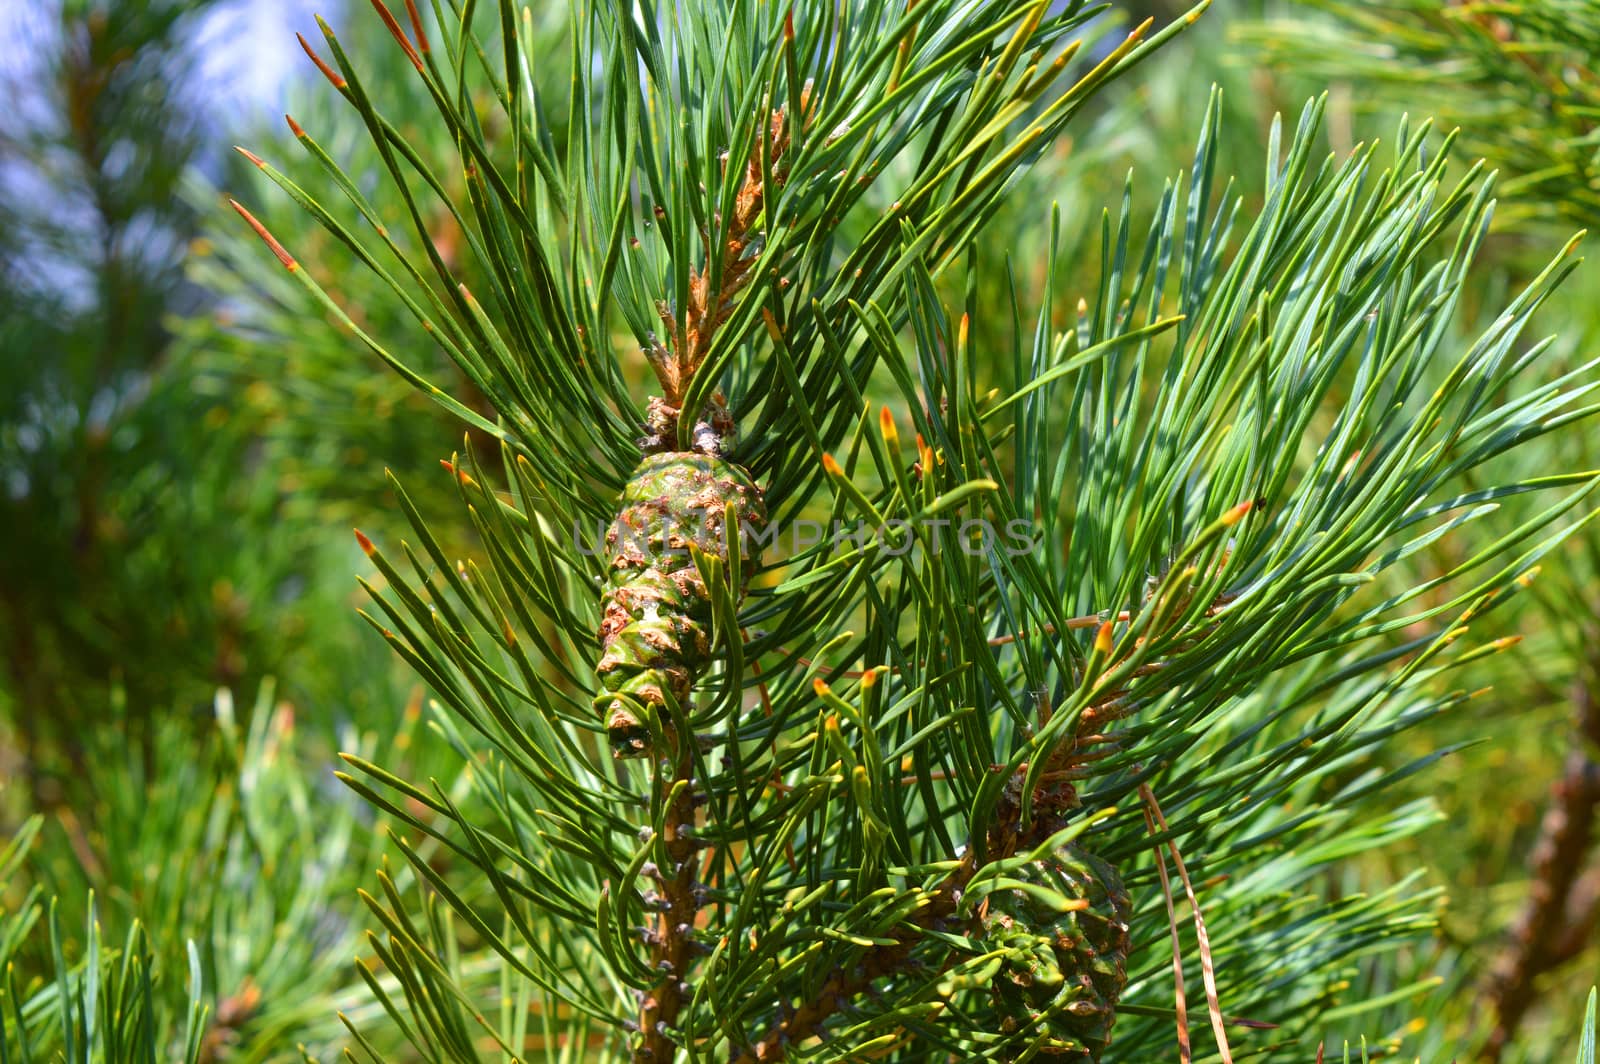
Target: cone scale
[(655, 628)]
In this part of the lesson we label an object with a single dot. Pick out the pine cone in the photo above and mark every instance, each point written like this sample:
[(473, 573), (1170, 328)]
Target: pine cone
[(656, 611), (1063, 971)]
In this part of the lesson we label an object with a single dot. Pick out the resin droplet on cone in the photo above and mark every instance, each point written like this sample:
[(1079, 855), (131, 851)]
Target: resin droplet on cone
[(655, 628), (1063, 971)]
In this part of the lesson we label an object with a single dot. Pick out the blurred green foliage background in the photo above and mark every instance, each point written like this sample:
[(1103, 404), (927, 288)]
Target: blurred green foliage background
[(186, 440)]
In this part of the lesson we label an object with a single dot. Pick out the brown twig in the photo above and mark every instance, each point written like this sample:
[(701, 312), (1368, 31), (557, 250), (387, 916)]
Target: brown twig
[(1051, 804), (1582, 914), (1562, 902), (708, 309), (672, 934), (1005, 838), (843, 985)]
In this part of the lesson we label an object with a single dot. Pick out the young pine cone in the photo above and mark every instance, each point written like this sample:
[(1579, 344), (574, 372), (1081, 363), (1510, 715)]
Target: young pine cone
[(655, 610)]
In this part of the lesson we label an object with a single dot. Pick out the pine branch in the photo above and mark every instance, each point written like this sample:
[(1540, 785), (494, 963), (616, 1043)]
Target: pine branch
[(1023, 820), (845, 985), (1227, 458), (1561, 904)]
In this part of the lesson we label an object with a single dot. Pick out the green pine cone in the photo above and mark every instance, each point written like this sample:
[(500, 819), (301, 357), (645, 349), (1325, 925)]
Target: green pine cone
[(1063, 971), (655, 610)]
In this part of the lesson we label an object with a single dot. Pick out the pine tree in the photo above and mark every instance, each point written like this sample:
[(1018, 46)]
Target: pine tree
[(91, 236), (1123, 614), (147, 552)]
